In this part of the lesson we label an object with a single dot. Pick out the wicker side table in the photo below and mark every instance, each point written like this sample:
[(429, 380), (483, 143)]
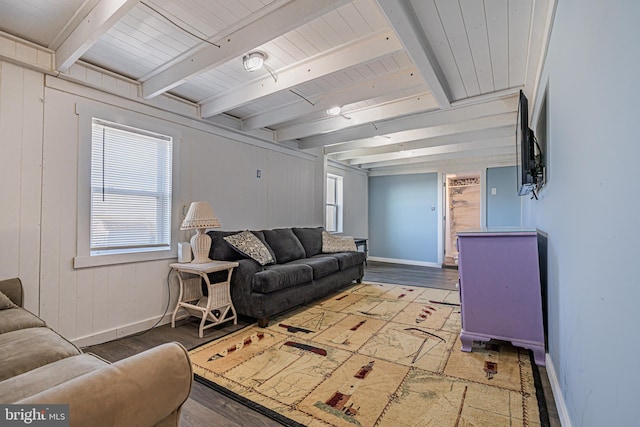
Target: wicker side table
[(217, 306)]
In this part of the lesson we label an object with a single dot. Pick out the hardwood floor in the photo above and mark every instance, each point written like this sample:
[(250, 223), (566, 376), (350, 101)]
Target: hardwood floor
[(411, 275), (206, 407)]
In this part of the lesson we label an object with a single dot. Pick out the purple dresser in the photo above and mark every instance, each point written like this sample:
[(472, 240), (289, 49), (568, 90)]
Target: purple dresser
[(500, 288)]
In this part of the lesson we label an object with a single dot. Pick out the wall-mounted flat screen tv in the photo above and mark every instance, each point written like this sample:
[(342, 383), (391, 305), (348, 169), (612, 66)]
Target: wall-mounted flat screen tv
[(525, 150)]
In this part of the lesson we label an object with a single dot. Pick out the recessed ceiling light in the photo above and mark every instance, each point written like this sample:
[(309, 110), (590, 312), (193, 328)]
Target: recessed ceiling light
[(253, 61), (334, 111)]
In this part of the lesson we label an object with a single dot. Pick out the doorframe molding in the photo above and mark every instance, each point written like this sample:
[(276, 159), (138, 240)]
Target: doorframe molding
[(442, 208)]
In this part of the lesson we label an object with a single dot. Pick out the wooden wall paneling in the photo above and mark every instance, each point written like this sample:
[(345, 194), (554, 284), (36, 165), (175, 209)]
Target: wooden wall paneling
[(356, 204), (61, 177), (11, 149), (85, 313), (31, 185), (289, 203), (117, 289), (100, 299), (20, 177)]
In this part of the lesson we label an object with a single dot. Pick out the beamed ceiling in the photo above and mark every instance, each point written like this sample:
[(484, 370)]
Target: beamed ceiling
[(424, 85)]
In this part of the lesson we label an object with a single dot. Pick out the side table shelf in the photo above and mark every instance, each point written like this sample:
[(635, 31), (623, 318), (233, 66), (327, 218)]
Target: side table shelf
[(217, 306)]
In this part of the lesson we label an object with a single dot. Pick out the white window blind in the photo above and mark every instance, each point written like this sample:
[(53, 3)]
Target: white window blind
[(131, 185)]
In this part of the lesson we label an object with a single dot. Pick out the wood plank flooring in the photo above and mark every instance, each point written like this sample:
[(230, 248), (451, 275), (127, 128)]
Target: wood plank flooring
[(206, 407)]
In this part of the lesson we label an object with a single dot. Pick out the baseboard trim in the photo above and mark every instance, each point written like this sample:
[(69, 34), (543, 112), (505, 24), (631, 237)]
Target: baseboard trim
[(405, 261), (558, 397), (121, 331)]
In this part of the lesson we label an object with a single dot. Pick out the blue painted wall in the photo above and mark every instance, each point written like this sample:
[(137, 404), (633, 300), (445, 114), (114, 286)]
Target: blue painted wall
[(503, 208), (590, 210), (401, 222)]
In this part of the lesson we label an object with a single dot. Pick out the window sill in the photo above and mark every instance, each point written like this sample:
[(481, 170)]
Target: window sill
[(86, 261)]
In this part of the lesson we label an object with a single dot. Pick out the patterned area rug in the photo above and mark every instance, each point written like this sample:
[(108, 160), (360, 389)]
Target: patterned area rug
[(373, 355)]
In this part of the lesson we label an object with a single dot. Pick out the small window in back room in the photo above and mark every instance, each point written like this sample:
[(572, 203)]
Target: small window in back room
[(333, 219), (131, 189)]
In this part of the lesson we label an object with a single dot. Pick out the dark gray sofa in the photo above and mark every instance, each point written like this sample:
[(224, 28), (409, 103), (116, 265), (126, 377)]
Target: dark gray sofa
[(302, 272)]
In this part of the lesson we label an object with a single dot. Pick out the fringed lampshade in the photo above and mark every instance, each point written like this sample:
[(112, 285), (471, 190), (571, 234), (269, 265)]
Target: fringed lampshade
[(200, 217)]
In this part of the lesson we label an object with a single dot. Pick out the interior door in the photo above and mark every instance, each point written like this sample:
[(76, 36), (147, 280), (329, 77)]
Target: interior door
[(462, 202)]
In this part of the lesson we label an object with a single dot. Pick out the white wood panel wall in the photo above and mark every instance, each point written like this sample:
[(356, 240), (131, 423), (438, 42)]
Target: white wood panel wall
[(40, 179), (355, 219), (21, 107)]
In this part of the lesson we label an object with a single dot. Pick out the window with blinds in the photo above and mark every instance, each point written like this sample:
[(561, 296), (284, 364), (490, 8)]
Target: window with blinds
[(333, 206), (131, 174)]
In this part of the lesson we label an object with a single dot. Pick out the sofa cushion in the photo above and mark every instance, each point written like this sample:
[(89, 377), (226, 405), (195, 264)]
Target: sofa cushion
[(251, 246), (311, 239), (284, 244), (276, 277), (322, 266), (14, 319), (332, 244), (345, 260), (27, 349), (47, 376), (220, 249), (5, 302)]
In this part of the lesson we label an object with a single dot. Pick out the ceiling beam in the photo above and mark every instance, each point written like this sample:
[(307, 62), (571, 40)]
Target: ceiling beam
[(360, 51), (101, 18), (450, 139), (473, 125), (262, 29), (402, 18), (469, 154), (407, 78), (448, 165), (414, 121), (422, 102), (461, 148)]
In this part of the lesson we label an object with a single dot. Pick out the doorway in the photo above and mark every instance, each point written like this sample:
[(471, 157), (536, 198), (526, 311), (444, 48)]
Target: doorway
[(462, 210)]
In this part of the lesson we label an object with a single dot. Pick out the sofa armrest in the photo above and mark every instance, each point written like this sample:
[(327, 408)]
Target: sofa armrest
[(141, 390), (12, 288)]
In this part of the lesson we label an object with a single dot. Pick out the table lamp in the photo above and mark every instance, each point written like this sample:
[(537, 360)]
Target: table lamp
[(200, 217)]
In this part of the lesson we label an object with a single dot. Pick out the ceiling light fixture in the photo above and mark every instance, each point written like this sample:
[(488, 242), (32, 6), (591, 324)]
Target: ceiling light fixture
[(334, 111), (254, 60)]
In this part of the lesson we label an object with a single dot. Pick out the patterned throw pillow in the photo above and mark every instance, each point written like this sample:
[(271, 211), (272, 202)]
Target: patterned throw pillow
[(5, 302), (332, 244), (249, 245)]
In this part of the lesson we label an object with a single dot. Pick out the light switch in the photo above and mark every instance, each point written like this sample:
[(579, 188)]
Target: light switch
[(494, 191)]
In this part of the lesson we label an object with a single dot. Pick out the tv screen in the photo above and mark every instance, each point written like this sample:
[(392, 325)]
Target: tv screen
[(525, 149)]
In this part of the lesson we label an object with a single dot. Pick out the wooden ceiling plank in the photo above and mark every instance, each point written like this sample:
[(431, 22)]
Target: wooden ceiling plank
[(446, 139), (461, 147), (263, 29), (415, 121), (390, 83), (458, 39), (449, 166), (519, 30), (473, 13), (399, 108), (497, 15), (348, 55), (474, 125), (101, 18), (469, 155), (403, 20)]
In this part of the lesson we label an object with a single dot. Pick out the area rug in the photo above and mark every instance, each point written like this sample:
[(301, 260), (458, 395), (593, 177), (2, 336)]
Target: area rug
[(373, 355)]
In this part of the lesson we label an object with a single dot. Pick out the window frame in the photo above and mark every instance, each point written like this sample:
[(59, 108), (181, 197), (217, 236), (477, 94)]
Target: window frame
[(86, 114), (339, 194)]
